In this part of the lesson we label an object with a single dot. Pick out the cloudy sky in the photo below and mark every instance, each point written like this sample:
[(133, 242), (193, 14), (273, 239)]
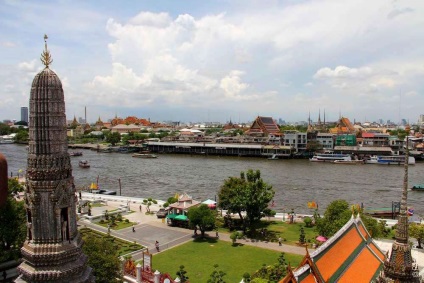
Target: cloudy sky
[(187, 60)]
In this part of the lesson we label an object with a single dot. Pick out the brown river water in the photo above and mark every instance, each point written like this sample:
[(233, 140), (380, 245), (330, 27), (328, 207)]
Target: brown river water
[(295, 181)]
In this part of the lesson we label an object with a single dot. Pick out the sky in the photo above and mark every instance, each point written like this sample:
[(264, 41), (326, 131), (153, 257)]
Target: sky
[(219, 60)]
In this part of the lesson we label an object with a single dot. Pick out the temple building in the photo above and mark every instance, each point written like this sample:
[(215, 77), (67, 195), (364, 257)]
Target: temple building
[(350, 255), (344, 126), (264, 126), (52, 251)]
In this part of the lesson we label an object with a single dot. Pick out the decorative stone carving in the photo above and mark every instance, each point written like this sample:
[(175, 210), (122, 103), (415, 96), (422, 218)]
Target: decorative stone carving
[(53, 252)]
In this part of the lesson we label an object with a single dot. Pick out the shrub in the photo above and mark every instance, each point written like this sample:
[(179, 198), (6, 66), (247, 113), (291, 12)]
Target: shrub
[(307, 221)]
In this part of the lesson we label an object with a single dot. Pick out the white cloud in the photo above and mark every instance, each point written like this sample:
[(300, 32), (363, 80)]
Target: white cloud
[(28, 66), (282, 59), (232, 85)]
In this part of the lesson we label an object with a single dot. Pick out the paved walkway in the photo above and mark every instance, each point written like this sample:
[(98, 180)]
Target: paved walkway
[(150, 228)]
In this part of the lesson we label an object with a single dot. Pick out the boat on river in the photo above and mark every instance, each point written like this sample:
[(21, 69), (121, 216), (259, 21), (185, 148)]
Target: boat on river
[(349, 162), (75, 153), (84, 164), (273, 157), (418, 187), (144, 155), (330, 157), (390, 160)]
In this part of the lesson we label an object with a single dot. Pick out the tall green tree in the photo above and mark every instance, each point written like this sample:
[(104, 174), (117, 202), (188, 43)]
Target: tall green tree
[(12, 213), (248, 193), (338, 214), (103, 258), (113, 138), (417, 231), (202, 217)]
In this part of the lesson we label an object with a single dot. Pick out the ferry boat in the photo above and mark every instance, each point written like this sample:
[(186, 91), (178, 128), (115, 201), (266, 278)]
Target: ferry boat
[(75, 153), (349, 162), (390, 160), (330, 157), (144, 155), (84, 164)]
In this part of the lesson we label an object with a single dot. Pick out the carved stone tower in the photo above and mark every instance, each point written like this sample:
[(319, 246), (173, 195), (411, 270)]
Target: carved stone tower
[(52, 251), (400, 267)]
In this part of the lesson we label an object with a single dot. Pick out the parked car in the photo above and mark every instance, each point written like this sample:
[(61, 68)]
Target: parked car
[(162, 213)]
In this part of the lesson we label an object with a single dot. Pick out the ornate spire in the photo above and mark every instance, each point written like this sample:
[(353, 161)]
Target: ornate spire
[(46, 58), (400, 267), (319, 117)]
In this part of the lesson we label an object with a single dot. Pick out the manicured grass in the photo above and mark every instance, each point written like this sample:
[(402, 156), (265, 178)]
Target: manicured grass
[(274, 229), (123, 247), (97, 204), (118, 224), (199, 257), (290, 232)]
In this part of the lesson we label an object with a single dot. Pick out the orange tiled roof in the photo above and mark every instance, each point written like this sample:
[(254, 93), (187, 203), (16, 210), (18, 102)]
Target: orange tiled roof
[(264, 125), (331, 261), (349, 256), (363, 269)]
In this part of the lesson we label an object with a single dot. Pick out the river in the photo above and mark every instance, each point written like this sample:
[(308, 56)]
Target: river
[(295, 181)]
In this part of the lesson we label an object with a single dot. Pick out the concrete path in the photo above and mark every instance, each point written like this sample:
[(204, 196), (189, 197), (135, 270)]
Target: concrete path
[(150, 229)]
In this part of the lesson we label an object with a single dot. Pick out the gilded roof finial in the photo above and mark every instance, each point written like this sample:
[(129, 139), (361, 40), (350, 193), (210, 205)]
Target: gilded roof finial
[(46, 58)]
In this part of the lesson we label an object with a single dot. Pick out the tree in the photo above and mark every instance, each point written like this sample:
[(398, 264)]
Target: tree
[(249, 193), (22, 136), (335, 216), (12, 213), (417, 231), (338, 214), (113, 138), (182, 274), (271, 273), (103, 258), (217, 276), (313, 146), (148, 202), (302, 235), (202, 217)]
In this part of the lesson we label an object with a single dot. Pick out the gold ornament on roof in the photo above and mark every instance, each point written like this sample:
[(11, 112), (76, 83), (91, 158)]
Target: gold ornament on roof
[(46, 58)]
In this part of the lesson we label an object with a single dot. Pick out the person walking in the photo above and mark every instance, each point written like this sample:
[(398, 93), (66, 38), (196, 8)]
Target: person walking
[(157, 246), (140, 208), (279, 241), (133, 228)]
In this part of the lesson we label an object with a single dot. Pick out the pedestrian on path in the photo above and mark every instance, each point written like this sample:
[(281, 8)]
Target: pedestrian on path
[(157, 245), (216, 234), (4, 275), (133, 228), (279, 241), (140, 208)]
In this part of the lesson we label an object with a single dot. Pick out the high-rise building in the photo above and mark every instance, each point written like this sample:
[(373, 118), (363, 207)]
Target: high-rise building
[(52, 251), (24, 114)]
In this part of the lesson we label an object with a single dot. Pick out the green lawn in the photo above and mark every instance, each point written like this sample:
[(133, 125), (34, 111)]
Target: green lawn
[(200, 256), (123, 247), (118, 224), (274, 229), (290, 232)]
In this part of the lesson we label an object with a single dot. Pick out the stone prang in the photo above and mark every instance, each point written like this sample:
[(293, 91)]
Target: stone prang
[(52, 251)]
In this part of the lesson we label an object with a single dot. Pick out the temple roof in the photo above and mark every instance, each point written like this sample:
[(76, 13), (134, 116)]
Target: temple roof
[(349, 256), (264, 126), (344, 126)]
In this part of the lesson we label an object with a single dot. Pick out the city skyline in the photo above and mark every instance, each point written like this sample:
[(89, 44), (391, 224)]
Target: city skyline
[(221, 60)]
